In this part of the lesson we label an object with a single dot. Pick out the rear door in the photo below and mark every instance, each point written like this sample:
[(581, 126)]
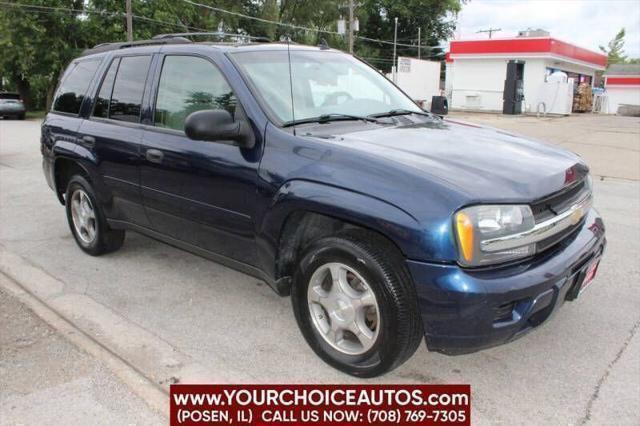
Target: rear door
[(201, 193), (114, 133)]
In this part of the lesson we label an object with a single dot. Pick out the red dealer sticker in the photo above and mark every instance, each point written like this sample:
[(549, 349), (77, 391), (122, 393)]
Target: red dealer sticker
[(320, 404)]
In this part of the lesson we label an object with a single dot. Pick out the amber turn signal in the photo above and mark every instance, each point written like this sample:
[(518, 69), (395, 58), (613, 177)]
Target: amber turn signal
[(464, 228)]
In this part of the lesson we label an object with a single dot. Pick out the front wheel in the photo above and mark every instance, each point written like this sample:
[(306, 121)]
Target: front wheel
[(355, 304)]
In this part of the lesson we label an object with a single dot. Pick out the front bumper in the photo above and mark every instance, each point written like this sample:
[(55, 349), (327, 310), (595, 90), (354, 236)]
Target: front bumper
[(465, 310)]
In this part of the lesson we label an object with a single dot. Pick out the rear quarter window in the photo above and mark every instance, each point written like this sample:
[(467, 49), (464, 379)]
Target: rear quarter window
[(74, 85)]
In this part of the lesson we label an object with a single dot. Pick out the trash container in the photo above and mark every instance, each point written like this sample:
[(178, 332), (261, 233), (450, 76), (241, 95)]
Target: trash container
[(439, 105)]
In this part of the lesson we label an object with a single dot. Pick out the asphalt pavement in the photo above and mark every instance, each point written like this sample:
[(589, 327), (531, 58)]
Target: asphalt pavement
[(175, 317), (45, 379)]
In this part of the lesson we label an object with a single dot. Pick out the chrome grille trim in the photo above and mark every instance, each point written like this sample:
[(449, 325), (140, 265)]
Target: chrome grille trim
[(542, 230)]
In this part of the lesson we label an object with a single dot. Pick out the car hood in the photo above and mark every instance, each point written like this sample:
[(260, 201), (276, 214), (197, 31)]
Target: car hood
[(481, 163)]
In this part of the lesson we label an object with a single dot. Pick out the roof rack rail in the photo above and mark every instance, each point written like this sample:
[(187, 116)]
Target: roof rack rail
[(218, 34), (105, 47)]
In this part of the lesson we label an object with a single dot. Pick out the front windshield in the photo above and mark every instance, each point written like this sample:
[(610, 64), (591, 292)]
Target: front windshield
[(323, 83)]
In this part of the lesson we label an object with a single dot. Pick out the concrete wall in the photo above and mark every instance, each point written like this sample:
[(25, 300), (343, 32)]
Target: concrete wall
[(534, 73), (418, 78), (619, 95), (478, 83)]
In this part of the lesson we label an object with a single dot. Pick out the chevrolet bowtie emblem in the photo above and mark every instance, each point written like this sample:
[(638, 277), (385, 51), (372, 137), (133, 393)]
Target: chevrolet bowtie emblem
[(577, 215)]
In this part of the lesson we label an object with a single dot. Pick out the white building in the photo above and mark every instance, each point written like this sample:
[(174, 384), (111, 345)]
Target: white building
[(622, 87), (420, 79), (476, 71)]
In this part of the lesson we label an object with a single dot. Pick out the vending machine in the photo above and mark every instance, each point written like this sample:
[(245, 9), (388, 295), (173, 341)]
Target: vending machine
[(513, 94)]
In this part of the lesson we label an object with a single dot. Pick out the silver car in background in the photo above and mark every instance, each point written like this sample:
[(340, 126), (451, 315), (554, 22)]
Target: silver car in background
[(11, 106)]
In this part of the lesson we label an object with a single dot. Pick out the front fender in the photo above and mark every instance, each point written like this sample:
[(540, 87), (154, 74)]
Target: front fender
[(352, 207)]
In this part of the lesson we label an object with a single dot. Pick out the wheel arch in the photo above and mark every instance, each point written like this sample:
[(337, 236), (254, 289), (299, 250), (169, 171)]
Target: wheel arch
[(63, 169), (302, 227), (304, 211)]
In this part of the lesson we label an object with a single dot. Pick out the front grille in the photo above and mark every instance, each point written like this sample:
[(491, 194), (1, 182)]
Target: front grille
[(555, 204), (551, 241), (558, 202)]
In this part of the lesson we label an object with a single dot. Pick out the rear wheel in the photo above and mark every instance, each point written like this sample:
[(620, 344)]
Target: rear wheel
[(87, 221), (356, 305)]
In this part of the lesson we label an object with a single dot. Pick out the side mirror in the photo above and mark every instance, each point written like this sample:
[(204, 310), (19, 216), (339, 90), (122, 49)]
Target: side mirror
[(217, 125)]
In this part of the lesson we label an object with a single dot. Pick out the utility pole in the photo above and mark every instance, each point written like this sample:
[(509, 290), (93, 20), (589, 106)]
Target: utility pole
[(395, 59), (129, 22), (490, 31), (419, 42), (351, 26)]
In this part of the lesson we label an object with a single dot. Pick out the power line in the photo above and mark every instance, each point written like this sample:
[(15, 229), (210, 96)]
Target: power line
[(65, 9), (490, 31), (144, 18), (215, 9), (255, 18), (103, 13), (298, 27)]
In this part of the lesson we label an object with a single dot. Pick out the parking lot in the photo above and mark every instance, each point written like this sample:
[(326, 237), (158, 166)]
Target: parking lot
[(170, 316)]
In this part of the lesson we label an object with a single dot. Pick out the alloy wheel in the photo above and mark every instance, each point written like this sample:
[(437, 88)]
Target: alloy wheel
[(343, 308), (84, 216)]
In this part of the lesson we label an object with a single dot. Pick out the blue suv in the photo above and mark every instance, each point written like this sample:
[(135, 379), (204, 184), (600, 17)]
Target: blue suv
[(307, 168)]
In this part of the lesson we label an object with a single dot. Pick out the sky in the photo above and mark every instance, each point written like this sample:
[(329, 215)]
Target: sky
[(586, 23)]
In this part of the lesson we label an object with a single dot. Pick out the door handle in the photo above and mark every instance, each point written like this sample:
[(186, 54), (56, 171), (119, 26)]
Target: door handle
[(88, 141), (154, 155)]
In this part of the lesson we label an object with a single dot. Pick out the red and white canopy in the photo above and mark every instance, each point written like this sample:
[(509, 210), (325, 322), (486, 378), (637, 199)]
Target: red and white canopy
[(626, 80), (526, 47)]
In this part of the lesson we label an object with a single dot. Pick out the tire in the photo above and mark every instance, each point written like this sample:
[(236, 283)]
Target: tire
[(79, 200), (373, 265), (21, 117)]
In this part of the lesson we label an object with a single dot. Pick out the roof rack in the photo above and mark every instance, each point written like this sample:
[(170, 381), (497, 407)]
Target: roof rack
[(105, 47), (170, 38), (218, 34)]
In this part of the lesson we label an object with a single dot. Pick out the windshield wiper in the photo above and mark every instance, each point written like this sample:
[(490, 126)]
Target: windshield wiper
[(325, 118), (395, 112)]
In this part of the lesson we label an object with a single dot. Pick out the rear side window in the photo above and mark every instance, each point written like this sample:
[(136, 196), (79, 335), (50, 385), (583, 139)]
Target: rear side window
[(74, 85), (128, 88), (101, 108), (189, 84)]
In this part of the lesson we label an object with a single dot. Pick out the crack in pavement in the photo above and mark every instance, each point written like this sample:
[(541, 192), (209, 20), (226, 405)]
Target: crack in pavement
[(605, 375)]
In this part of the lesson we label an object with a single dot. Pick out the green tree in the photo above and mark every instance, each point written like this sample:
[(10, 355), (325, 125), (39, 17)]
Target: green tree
[(614, 49), (36, 45), (434, 17), (39, 38)]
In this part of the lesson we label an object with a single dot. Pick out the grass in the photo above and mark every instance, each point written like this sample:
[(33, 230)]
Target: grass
[(36, 114)]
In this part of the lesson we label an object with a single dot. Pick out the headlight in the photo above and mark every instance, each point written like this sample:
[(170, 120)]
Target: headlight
[(476, 224)]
